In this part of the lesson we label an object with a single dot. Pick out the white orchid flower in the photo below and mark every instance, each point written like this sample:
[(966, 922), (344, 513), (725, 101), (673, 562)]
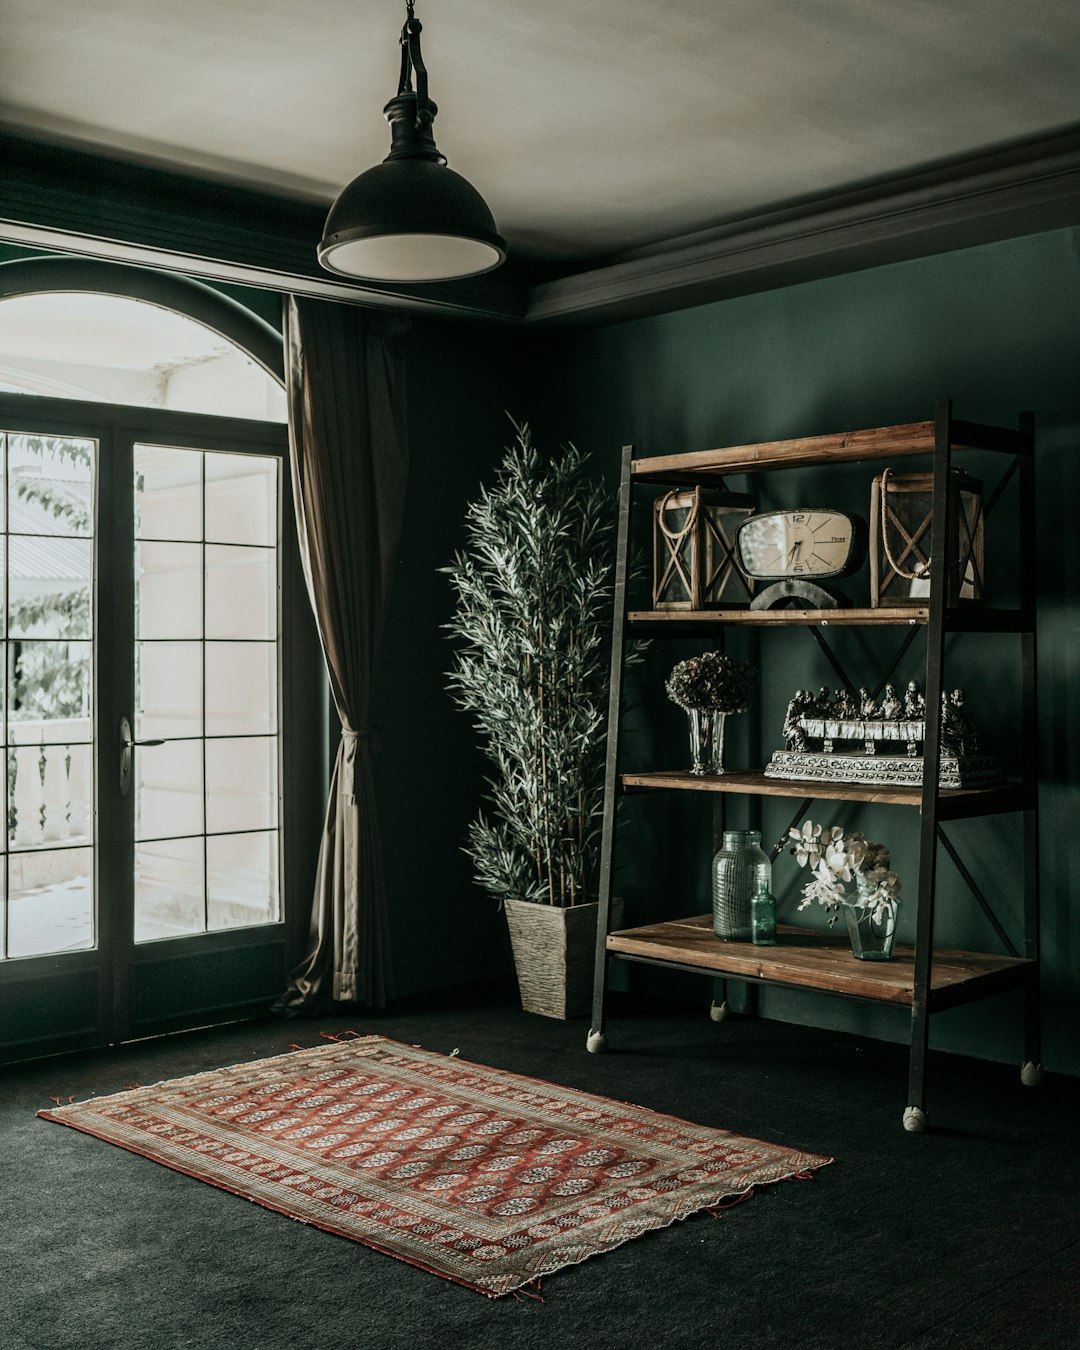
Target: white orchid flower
[(838, 860), (807, 846), (834, 858)]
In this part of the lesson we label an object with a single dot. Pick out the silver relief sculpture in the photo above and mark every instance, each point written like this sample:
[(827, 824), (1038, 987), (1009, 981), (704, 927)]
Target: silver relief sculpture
[(840, 739)]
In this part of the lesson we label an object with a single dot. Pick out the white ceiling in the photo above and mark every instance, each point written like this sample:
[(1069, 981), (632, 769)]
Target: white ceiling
[(591, 126)]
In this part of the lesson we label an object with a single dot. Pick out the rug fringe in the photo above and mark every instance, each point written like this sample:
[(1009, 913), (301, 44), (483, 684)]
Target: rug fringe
[(714, 1210)]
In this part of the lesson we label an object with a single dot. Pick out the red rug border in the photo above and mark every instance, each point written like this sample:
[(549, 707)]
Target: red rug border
[(812, 1161)]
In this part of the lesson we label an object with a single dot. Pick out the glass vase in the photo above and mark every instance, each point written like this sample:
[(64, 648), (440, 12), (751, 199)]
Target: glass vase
[(706, 741), (739, 871), (716, 742), (698, 742), (871, 939)]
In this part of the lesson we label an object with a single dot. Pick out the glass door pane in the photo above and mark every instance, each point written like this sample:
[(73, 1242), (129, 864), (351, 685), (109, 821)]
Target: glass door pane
[(47, 558), (207, 580)]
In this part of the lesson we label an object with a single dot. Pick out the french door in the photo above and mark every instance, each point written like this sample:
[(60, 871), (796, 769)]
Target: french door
[(160, 687)]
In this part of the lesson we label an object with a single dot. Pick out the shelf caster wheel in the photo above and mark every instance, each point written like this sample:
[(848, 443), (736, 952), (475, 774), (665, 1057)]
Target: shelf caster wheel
[(596, 1043), (1031, 1074), (914, 1120), (718, 1011)]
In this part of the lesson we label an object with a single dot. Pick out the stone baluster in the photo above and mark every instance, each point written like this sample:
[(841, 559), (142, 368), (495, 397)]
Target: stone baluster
[(56, 792), (27, 796)]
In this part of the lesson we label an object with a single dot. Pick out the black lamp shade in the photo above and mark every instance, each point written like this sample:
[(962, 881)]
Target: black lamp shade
[(410, 219)]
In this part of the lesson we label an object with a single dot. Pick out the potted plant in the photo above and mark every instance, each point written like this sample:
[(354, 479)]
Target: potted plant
[(836, 859), (532, 622)]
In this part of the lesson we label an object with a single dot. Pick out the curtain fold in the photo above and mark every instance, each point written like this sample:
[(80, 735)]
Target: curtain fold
[(345, 371)]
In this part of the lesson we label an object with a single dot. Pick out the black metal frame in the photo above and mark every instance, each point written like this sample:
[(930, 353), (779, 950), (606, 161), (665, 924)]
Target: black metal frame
[(943, 620), (611, 764)]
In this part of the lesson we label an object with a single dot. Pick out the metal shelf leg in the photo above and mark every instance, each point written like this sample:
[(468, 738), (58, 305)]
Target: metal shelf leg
[(596, 1040)]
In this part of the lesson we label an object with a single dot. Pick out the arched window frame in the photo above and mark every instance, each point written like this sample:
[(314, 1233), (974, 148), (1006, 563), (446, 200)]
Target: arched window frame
[(181, 295)]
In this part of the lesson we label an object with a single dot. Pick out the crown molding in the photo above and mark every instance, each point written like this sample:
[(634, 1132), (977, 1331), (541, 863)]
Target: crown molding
[(1019, 190)]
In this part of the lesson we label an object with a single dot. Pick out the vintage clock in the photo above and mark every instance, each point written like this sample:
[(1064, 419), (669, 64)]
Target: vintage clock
[(798, 550)]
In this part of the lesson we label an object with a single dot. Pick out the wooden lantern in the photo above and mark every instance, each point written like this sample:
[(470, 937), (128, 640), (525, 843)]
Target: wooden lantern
[(694, 550), (901, 519)]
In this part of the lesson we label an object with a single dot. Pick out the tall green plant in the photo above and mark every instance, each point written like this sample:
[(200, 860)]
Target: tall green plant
[(533, 592)]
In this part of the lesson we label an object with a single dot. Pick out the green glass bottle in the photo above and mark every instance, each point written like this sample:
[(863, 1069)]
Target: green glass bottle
[(763, 917)]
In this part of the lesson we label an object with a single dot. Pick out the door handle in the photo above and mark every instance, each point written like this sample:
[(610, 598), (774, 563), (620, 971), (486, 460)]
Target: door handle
[(128, 744)]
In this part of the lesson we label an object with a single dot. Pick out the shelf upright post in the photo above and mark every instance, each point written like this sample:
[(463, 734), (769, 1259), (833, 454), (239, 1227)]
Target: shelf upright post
[(1029, 752), (941, 560), (718, 1004), (595, 1042)]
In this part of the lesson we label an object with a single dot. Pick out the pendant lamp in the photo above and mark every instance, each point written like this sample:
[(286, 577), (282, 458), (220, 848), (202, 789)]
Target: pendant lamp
[(410, 218)]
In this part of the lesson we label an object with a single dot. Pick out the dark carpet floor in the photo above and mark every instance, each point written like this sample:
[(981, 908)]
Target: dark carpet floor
[(967, 1236)]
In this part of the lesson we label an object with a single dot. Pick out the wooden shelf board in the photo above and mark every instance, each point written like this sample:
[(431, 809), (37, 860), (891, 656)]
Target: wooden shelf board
[(911, 438), (781, 618), (954, 803), (811, 960), (961, 619)]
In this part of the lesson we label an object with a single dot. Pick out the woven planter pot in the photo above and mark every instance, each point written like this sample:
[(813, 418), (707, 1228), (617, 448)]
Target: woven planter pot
[(554, 952)]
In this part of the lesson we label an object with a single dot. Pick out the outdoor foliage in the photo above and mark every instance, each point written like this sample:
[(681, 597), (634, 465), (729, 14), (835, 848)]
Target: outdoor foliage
[(51, 681), (533, 592), (71, 511)]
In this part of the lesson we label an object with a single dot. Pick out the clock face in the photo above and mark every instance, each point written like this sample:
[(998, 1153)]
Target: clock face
[(800, 543)]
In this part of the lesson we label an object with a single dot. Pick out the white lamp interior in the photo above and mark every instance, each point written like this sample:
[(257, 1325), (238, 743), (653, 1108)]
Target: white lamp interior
[(411, 257)]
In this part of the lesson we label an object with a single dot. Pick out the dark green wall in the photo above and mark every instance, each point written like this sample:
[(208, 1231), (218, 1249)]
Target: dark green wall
[(997, 329), (462, 381)]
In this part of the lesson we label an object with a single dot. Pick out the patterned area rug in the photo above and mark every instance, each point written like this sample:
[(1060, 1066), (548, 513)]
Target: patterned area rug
[(475, 1174)]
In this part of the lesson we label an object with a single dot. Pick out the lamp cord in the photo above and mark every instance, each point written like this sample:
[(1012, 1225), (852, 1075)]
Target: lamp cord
[(412, 60)]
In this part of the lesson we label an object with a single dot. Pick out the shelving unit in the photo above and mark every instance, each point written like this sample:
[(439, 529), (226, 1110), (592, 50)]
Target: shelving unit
[(918, 977)]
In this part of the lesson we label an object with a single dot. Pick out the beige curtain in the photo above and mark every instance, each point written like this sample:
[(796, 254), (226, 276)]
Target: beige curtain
[(346, 387)]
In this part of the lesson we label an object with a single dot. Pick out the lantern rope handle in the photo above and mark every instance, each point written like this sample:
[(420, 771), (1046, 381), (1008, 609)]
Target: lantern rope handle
[(676, 537), (922, 570)]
